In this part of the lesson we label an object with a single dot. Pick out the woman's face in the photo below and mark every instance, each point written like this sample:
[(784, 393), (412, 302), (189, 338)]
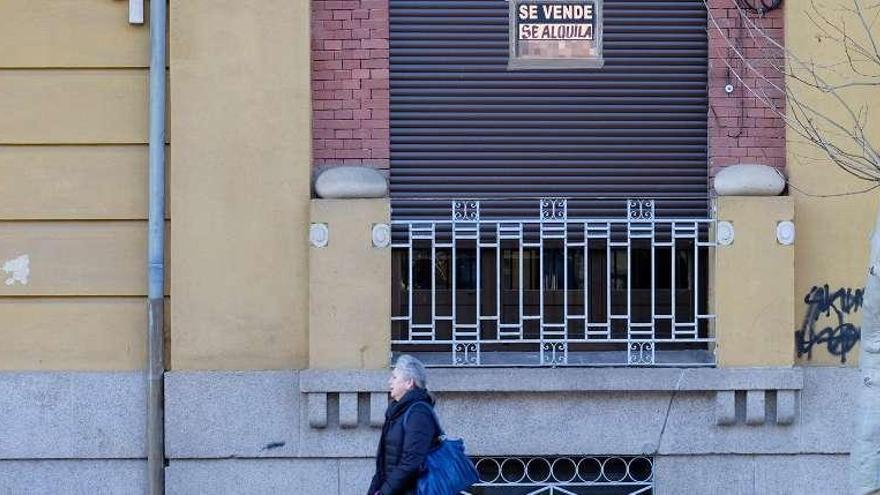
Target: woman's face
[(398, 386)]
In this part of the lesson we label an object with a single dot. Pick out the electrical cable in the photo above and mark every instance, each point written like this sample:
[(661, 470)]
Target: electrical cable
[(759, 7)]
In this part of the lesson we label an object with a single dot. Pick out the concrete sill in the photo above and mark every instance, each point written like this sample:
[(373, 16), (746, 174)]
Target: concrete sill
[(565, 380), (759, 389)]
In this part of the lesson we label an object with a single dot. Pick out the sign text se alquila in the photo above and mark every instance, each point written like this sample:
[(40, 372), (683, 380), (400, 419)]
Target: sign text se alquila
[(555, 34)]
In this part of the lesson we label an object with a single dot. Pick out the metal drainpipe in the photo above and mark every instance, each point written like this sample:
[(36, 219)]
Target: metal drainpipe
[(156, 254)]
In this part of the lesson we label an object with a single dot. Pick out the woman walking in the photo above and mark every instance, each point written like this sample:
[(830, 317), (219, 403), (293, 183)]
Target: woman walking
[(409, 433)]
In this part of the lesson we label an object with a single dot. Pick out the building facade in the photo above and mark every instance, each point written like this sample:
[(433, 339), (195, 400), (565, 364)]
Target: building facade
[(598, 319)]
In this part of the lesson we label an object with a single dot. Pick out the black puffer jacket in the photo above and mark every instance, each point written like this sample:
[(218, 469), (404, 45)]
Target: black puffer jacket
[(402, 448)]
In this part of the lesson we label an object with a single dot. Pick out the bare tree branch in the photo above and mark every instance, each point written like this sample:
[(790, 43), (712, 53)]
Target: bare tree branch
[(844, 141)]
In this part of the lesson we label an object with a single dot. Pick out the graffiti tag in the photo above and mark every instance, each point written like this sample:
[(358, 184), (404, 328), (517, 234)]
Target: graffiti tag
[(834, 332)]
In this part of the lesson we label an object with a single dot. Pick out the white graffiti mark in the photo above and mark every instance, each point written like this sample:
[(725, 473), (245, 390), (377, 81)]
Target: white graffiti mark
[(19, 268)]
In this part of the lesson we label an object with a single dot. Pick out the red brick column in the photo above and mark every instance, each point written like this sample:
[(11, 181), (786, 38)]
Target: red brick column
[(742, 127), (350, 82)]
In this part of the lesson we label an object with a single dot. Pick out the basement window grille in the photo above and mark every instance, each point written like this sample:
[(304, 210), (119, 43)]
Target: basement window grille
[(572, 475), (553, 290)]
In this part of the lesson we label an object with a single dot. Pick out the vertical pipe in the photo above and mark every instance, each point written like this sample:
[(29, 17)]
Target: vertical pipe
[(498, 329), (565, 278), (541, 286), (653, 336), (673, 281), (433, 281), (522, 310), (156, 253), (629, 319), (608, 281), (477, 293), (409, 285), (696, 278), (454, 269), (586, 281)]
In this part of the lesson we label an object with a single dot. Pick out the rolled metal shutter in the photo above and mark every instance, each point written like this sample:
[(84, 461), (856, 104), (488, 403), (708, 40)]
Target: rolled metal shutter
[(464, 126)]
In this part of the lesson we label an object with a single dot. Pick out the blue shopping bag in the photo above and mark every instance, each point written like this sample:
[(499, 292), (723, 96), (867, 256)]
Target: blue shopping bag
[(447, 469)]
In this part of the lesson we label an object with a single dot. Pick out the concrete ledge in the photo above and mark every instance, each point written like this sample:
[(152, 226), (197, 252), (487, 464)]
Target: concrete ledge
[(725, 408), (755, 382), (378, 404), (263, 414), (348, 410), (565, 380), (317, 404), (822, 422), (786, 407), (72, 415), (756, 407), (73, 477)]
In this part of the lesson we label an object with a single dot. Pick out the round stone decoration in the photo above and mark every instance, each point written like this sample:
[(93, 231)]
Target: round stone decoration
[(785, 232), (381, 235), (319, 235), (351, 181), (724, 233)]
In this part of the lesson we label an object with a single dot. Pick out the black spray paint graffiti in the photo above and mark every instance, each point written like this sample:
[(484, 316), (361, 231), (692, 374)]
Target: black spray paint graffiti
[(838, 335)]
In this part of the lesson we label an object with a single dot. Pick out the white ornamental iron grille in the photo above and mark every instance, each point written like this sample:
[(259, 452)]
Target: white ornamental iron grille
[(553, 290), (572, 475)]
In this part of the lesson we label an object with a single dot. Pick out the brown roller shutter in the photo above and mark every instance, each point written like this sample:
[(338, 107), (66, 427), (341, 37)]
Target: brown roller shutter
[(464, 126)]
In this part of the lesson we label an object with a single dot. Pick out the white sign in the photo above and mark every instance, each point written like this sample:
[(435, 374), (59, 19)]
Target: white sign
[(555, 34)]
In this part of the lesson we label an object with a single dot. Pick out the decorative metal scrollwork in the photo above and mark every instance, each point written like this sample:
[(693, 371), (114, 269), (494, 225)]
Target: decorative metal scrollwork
[(465, 211), (641, 352), (640, 209), (554, 353), (466, 354), (563, 475), (554, 209)]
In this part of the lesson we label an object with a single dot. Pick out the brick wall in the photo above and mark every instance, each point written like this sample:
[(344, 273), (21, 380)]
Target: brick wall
[(350, 85), (350, 82), (742, 127)]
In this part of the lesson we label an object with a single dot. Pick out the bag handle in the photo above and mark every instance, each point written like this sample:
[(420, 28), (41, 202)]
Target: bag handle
[(433, 414)]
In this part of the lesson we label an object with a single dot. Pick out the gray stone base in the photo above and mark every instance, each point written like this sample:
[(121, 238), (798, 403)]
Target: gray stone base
[(72, 433), (253, 432), (673, 475), (73, 477), (752, 475), (268, 476), (72, 415)]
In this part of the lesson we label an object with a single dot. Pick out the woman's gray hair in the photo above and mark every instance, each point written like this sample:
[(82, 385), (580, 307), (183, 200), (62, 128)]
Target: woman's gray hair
[(410, 368)]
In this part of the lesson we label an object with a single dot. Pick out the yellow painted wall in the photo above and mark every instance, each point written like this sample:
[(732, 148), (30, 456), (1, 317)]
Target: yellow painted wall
[(71, 33), (832, 233), (78, 333), (350, 287), (240, 94), (753, 294), (76, 106), (73, 128), (68, 182), (104, 258)]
